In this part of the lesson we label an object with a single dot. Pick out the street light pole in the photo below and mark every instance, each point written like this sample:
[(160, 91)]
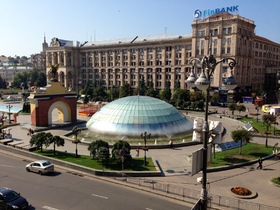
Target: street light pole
[(76, 130), (9, 107), (203, 83), (145, 136)]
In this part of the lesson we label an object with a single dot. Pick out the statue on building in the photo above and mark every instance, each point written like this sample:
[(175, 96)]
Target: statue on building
[(53, 72)]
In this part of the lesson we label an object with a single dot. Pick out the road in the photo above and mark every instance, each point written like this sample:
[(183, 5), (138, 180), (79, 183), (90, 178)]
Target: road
[(66, 191)]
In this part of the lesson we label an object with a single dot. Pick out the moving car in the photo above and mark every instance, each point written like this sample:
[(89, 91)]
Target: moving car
[(40, 167), (10, 199)]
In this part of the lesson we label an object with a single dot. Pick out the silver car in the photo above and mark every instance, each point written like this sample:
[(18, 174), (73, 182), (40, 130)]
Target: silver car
[(40, 167)]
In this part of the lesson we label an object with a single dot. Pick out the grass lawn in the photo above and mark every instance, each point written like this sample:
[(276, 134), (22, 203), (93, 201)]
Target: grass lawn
[(259, 125), (250, 151), (136, 164)]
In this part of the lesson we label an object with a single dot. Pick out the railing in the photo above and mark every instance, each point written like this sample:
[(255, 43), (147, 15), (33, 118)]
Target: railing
[(215, 201)]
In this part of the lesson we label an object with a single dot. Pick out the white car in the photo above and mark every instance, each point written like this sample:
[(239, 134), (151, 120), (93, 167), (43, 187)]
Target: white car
[(40, 167)]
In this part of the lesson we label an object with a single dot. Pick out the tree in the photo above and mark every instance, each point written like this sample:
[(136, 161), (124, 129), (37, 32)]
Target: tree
[(103, 155), (240, 108), (268, 119), (99, 94), (232, 107), (151, 91), (196, 96), (55, 140), (179, 98), (38, 139), (125, 90), (95, 146), (121, 149), (20, 80), (242, 136), (166, 93), (142, 87)]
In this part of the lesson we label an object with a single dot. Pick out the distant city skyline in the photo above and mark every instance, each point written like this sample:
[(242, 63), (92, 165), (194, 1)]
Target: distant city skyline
[(25, 23)]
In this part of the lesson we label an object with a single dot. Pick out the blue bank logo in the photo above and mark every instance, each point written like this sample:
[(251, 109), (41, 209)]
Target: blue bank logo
[(197, 13), (206, 13)]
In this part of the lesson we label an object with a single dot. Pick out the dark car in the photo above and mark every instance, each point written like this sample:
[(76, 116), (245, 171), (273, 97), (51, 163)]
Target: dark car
[(9, 199)]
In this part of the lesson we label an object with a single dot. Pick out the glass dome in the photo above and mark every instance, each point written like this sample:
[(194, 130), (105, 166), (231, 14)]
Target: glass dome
[(133, 115)]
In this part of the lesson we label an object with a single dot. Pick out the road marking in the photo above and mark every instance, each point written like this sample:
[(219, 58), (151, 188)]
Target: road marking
[(148, 209), (49, 208), (7, 166), (100, 196)]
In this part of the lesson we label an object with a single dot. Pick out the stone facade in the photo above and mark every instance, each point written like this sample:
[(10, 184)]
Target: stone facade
[(163, 58)]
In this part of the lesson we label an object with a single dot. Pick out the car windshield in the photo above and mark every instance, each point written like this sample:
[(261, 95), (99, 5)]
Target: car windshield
[(46, 163), (11, 195)]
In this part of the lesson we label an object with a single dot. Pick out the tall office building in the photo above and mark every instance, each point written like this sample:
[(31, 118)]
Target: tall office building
[(163, 58)]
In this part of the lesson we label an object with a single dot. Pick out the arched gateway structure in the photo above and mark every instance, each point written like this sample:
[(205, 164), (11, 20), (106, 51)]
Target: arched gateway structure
[(43, 102)]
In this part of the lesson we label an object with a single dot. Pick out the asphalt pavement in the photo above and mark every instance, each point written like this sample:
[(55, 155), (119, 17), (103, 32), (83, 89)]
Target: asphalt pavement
[(176, 163)]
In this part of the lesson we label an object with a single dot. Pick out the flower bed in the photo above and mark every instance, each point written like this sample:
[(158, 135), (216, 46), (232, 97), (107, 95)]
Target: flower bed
[(241, 191)]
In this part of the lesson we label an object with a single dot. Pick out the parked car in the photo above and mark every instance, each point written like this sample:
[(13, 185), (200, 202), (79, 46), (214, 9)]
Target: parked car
[(10, 199), (40, 167)]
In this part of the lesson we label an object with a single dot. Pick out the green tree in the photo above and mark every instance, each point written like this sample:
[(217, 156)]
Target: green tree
[(99, 94), (151, 91), (55, 140), (232, 107), (94, 147), (196, 96), (142, 87), (42, 80), (240, 108), (103, 155), (121, 149), (20, 78), (268, 119), (166, 93), (241, 136), (179, 98), (125, 90), (38, 139)]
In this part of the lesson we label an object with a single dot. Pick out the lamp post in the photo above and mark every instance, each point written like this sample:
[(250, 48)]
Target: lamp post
[(9, 107), (208, 64), (76, 130), (145, 136)]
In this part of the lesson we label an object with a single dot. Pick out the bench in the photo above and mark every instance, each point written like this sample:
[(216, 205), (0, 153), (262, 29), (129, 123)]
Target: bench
[(14, 143), (5, 141)]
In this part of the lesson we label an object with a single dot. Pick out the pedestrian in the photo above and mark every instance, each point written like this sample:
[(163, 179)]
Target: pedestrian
[(137, 152), (171, 144), (260, 163)]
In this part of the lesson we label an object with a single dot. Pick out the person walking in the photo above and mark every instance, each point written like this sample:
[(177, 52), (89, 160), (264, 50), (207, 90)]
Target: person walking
[(260, 163), (171, 144)]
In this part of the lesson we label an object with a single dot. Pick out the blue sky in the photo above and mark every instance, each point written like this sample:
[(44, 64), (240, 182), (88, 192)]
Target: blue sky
[(24, 22)]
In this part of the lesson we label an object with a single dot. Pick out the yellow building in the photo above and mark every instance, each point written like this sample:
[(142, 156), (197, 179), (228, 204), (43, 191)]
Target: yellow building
[(163, 58)]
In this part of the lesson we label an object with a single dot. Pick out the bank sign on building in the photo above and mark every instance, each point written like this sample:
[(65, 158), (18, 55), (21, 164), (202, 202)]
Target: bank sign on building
[(198, 14)]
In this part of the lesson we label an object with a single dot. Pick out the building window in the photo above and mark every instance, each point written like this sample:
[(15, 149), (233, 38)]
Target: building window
[(228, 49)]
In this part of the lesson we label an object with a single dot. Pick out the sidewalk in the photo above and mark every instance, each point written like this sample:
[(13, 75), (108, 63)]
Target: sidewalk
[(176, 164)]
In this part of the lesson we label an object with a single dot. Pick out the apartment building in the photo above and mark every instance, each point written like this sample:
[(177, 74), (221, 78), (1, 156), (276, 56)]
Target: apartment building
[(163, 58)]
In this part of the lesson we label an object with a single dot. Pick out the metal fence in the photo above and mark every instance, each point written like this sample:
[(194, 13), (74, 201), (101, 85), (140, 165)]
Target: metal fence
[(215, 201)]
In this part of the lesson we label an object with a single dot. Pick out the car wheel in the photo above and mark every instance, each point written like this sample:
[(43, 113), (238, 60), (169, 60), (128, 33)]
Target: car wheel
[(40, 172), (27, 169)]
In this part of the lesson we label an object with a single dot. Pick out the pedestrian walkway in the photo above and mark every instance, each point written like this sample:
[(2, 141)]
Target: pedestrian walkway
[(176, 163)]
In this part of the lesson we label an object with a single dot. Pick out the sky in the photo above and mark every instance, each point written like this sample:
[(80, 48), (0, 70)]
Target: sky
[(24, 23)]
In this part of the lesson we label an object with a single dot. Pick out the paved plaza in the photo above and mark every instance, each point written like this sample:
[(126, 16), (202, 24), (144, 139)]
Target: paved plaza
[(176, 164)]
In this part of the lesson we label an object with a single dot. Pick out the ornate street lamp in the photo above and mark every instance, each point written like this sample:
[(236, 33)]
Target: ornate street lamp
[(145, 136), (9, 113), (209, 64)]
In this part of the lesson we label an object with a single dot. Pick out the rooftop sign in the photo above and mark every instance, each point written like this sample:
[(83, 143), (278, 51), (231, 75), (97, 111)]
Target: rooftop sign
[(198, 14)]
